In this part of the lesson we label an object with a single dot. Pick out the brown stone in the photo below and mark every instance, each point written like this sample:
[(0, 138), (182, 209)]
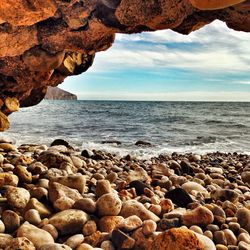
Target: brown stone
[(178, 239)]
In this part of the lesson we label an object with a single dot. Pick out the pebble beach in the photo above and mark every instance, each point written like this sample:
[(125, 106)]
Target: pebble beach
[(59, 197)]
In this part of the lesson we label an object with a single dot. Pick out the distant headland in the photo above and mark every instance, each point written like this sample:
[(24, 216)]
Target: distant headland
[(55, 93)]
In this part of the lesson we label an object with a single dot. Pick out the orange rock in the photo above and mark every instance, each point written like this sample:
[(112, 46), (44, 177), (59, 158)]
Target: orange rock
[(177, 239), (214, 4)]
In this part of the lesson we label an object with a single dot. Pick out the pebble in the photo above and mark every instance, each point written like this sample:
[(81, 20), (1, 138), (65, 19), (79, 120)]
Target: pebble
[(102, 187), (7, 179), (52, 230), (32, 216), (21, 243), (206, 242), (17, 197), (108, 223), (179, 197), (37, 236), (176, 238), (243, 216), (133, 207), (130, 223), (11, 221), (108, 204), (69, 221), (122, 240), (190, 186), (107, 245), (89, 228), (85, 204), (243, 245), (225, 195), (148, 227), (5, 240), (74, 241), (200, 216), (244, 237), (55, 246)]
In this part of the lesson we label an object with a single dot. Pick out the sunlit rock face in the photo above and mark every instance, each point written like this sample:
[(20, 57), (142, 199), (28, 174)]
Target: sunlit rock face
[(44, 41)]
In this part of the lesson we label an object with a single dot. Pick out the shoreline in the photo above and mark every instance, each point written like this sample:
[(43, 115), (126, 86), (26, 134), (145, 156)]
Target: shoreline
[(73, 199)]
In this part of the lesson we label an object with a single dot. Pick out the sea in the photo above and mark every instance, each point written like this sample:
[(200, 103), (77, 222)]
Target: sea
[(182, 127)]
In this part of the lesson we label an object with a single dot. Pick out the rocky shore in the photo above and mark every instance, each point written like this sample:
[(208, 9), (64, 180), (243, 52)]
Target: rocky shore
[(58, 197)]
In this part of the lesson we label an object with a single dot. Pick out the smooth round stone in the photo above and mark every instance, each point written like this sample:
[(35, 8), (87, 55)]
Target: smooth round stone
[(21, 243), (74, 181), (243, 216), (107, 245), (43, 210), (7, 147), (52, 230), (179, 197), (245, 176), (74, 241), (206, 242), (156, 209), (69, 221), (84, 246), (5, 240), (85, 204), (200, 216), (209, 234), (37, 236), (129, 224), (11, 220), (17, 197), (133, 207), (218, 211), (176, 238), (2, 227), (225, 195), (32, 216), (220, 238), (103, 187), (235, 227), (213, 227), (63, 203), (109, 223), (89, 228), (23, 174), (55, 246), (196, 229), (7, 179), (39, 193), (112, 177), (221, 247), (244, 237), (108, 204), (122, 240), (231, 238), (148, 227), (166, 206), (190, 186), (243, 245)]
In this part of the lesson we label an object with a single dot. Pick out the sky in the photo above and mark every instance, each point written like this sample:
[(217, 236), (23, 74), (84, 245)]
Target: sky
[(211, 64)]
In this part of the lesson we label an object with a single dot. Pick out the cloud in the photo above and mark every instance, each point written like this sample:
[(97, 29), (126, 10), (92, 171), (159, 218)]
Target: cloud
[(214, 49)]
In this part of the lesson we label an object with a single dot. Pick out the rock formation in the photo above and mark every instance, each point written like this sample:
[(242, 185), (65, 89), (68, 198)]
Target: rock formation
[(44, 41), (55, 93)]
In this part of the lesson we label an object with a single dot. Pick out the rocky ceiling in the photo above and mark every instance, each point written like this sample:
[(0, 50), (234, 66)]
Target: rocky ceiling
[(44, 41)]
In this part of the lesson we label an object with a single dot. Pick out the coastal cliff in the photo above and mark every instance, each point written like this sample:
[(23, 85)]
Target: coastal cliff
[(55, 93)]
